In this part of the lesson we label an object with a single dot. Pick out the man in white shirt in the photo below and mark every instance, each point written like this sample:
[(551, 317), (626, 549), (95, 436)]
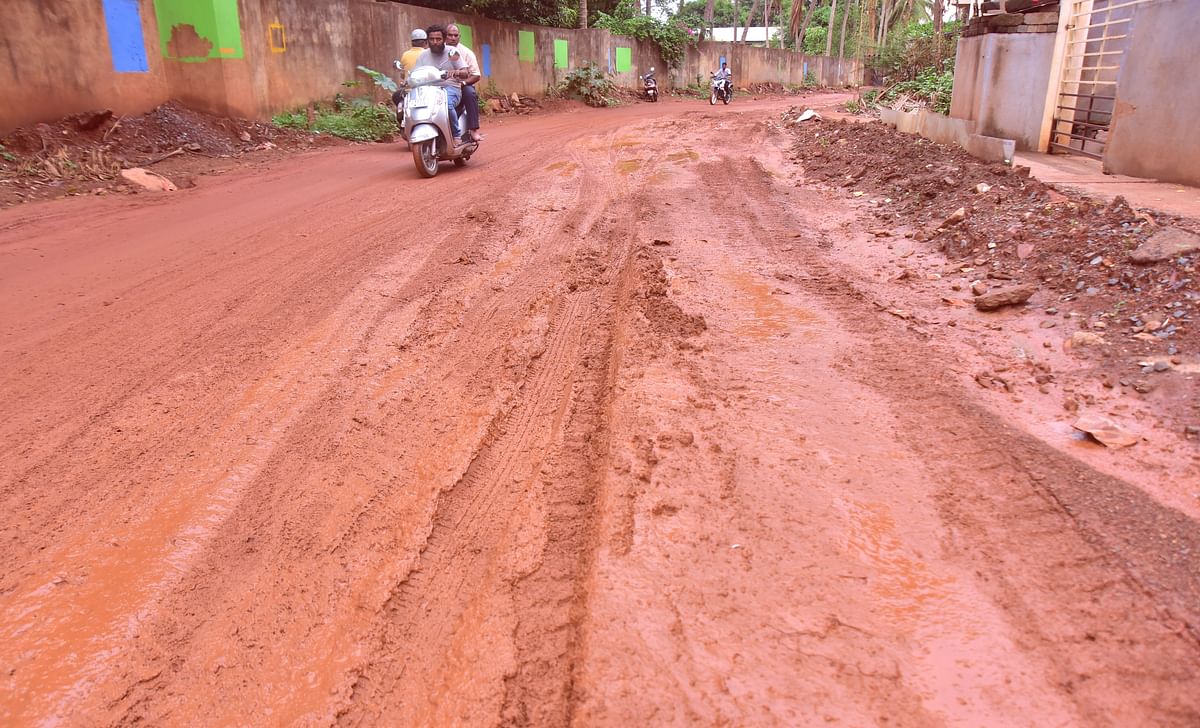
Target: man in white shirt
[(469, 95)]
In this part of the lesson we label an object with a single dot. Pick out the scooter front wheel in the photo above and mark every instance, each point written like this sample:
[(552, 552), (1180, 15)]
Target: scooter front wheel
[(425, 157), (712, 100)]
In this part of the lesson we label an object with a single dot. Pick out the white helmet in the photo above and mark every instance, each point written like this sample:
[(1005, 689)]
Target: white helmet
[(419, 34)]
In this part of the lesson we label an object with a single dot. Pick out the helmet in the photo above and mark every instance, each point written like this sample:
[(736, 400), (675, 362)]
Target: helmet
[(419, 34)]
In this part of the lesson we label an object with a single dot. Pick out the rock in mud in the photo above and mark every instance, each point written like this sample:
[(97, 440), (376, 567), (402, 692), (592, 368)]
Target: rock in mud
[(148, 180), (1085, 338), (955, 218), (1105, 431), (1001, 297), (1164, 245)]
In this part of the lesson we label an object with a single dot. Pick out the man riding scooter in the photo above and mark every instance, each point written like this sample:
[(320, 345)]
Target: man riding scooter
[(448, 60)]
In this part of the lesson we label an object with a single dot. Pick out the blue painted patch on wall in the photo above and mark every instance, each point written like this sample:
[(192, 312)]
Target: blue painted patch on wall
[(125, 41)]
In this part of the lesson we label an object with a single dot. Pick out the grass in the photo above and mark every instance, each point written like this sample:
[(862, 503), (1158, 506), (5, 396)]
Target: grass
[(357, 119)]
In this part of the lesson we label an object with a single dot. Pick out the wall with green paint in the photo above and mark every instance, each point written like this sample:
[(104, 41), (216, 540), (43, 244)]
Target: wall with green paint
[(197, 30), (252, 58)]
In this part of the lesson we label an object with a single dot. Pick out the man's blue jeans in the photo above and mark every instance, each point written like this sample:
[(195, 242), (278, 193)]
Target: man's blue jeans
[(453, 96)]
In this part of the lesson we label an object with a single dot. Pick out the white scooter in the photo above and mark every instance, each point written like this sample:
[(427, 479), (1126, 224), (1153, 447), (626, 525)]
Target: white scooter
[(427, 123)]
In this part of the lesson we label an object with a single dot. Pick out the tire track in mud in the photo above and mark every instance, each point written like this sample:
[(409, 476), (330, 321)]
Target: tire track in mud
[(536, 466), (1056, 536)]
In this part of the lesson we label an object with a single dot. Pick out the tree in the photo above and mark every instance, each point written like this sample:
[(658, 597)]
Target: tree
[(749, 18), (845, 20), (799, 26), (829, 29)]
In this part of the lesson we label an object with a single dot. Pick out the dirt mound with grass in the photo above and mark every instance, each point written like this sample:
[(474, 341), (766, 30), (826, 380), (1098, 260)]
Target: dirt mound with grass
[(84, 153)]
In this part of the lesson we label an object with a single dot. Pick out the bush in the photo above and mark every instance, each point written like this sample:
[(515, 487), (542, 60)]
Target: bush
[(914, 48), (589, 83), (930, 85), (355, 119)]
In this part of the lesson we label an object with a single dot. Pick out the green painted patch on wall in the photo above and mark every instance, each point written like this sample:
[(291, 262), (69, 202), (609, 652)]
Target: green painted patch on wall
[(525, 46), (624, 59), (194, 31), (561, 48)]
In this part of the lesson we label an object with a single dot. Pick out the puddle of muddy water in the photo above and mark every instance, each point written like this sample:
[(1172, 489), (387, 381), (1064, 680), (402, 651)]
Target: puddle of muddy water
[(684, 157), (772, 316), (959, 647), (629, 166)]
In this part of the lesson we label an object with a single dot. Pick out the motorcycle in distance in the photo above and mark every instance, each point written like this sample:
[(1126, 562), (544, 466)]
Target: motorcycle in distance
[(650, 86), (427, 123), (722, 88)]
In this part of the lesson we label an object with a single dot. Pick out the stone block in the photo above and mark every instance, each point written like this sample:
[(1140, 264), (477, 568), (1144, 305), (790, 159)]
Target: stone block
[(1041, 19), (1003, 20)]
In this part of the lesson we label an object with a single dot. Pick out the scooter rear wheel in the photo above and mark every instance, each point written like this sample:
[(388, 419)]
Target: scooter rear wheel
[(425, 157)]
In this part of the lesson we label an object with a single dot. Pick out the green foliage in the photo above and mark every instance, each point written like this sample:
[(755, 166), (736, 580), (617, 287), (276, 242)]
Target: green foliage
[(670, 37), (814, 40), (554, 13), (913, 48), (930, 85), (355, 119), (291, 120), (589, 83), (381, 80), (7, 155), (810, 80), (692, 13)]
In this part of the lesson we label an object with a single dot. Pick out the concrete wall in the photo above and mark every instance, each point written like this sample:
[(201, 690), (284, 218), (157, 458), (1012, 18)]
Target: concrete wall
[(252, 58), (1155, 129), (1000, 83), (946, 130), (751, 64)]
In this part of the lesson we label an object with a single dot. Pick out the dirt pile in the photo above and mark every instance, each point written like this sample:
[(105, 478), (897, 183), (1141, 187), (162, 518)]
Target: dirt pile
[(86, 152), (1128, 276)]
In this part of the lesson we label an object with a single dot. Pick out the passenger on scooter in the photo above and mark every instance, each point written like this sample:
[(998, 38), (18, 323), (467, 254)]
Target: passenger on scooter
[(450, 61), (420, 43), (408, 61), (470, 99)]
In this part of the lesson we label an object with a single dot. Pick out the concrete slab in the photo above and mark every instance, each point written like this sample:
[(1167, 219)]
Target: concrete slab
[(1085, 175)]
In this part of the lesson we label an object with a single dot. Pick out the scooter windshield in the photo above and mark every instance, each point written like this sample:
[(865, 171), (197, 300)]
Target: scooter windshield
[(424, 76)]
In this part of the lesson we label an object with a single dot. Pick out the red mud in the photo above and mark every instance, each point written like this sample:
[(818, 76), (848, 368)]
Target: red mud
[(646, 432)]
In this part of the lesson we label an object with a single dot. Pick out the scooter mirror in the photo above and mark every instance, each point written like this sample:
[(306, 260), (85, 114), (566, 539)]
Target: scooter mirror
[(397, 65), (651, 69)]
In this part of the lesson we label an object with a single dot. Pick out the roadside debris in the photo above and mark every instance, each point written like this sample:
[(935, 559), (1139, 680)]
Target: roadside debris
[(1001, 297), (148, 180), (1164, 245), (1105, 431)]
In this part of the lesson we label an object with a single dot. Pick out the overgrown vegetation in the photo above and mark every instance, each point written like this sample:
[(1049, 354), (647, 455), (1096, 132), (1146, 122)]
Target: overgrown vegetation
[(670, 37), (915, 48), (589, 83), (931, 86), (357, 119)]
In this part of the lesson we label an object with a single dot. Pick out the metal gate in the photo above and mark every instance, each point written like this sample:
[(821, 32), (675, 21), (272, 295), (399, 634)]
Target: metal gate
[(1093, 38)]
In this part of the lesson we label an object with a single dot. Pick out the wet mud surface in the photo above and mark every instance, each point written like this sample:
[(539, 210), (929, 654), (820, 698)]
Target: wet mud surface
[(636, 434)]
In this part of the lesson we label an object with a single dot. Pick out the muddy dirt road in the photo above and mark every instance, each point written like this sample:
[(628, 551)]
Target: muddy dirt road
[(627, 441)]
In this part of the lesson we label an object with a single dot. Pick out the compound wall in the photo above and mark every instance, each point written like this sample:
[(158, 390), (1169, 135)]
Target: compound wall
[(252, 58)]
